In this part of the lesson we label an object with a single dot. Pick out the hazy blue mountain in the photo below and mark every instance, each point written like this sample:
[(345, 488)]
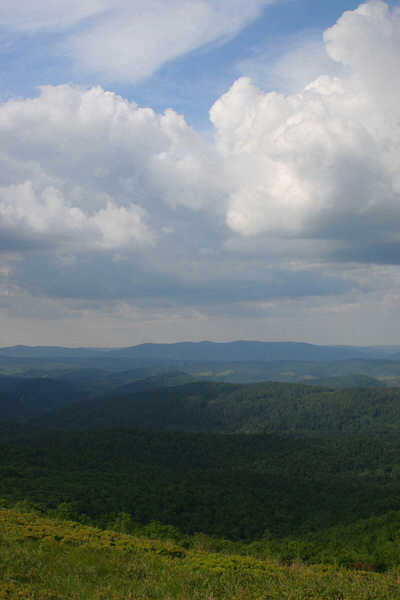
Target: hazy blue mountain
[(387, 372), (236, 351), (210, 351), (29, 366), (96, 377), (49, 351), (374, 352)]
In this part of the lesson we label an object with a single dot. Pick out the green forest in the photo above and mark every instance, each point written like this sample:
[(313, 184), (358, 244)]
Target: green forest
[(268, 487)]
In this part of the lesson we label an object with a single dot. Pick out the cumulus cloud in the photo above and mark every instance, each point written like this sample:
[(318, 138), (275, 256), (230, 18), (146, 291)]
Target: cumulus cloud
[(86, 167), (29, 221), (104, 199), (322, 163)]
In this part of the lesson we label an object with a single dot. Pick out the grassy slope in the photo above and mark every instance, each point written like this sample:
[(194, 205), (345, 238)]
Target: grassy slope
[(43, 559)]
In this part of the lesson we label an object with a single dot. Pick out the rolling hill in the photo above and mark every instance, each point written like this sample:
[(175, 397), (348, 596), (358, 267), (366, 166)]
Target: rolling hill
[(22, 399), (271, 407)]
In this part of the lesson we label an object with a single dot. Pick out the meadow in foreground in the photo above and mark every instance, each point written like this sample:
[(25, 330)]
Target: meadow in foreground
[(45, 559)]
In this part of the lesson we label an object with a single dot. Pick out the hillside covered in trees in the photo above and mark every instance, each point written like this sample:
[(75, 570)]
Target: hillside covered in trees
[(271, 407), (273, 470)]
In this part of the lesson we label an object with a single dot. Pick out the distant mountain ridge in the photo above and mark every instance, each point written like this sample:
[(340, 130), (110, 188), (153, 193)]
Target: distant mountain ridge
[(236, 351), (49, 352), (240, 350)]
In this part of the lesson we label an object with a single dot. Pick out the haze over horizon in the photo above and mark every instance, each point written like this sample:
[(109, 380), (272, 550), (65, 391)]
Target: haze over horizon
[(185, 170)]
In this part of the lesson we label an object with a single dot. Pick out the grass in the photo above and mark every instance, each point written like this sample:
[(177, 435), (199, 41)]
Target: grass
[(44, 559)]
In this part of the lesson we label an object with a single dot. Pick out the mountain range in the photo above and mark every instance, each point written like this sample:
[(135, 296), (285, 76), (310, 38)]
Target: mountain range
[(212, 351)]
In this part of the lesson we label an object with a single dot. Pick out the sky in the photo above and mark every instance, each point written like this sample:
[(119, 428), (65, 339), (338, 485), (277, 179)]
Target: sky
[(187, 170)]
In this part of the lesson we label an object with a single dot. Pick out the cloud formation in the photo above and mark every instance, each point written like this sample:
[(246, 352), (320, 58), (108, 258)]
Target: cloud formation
[(128, 41), (84, 167), (322, 163), (102, 199)]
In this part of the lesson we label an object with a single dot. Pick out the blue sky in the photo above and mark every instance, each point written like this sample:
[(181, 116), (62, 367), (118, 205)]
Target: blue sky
[(199, 169), (191, 82)]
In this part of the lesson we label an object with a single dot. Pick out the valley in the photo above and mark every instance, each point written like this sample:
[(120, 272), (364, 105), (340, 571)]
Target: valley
[(283, 471)]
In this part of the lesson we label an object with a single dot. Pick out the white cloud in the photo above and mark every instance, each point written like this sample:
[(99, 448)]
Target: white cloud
[(102, 199), (322, 163), (77, 161), (29, 221), (41, 14), (126, 41), (368, 41), (121, 227), (136, 38)]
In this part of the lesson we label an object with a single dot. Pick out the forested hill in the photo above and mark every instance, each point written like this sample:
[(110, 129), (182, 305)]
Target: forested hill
[(234, 486), (271, 407)]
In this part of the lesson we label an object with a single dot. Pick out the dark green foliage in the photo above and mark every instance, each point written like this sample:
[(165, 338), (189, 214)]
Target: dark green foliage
[(318, 483), (15, 410), (98, 383), (369, 544), (234, 486), (22, 399), (271, 407), (163, 380)]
